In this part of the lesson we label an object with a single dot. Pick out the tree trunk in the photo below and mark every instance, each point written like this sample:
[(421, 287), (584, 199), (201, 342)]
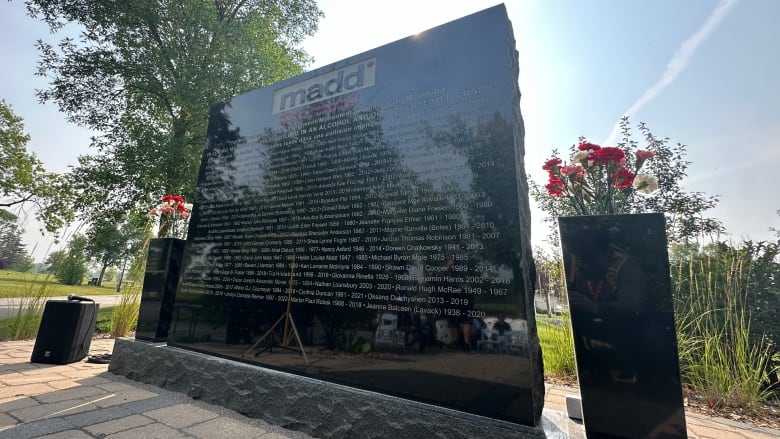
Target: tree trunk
[(102, 272)]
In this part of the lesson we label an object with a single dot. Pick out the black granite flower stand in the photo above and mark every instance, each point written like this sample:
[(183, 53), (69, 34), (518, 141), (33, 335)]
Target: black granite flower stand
[(163, 269), (620, 297)]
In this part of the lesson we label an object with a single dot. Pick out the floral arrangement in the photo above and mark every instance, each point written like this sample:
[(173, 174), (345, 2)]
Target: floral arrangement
[(174, 214), (599, 180)]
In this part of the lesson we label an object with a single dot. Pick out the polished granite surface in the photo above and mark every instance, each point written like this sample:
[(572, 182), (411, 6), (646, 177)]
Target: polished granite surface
[(622, 315)]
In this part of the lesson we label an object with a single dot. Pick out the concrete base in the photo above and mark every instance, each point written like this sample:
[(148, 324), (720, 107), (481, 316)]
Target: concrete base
[(318, 408)]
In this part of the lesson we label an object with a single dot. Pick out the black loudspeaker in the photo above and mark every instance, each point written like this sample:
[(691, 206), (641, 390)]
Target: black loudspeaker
[(65, 332)]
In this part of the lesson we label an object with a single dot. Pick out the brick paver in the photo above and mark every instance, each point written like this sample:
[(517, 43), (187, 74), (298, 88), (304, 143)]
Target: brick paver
[(83, 400)]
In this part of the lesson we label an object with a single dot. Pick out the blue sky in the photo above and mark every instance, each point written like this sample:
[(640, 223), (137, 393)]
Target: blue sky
[(704, 73)]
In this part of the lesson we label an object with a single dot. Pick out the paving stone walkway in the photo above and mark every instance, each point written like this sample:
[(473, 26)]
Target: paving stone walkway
[(83, 400)]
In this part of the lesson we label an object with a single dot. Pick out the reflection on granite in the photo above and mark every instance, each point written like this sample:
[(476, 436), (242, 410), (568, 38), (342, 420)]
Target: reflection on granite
[(622, 315)]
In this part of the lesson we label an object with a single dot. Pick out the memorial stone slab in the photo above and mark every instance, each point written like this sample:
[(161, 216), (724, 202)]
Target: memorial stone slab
[(367, 223)]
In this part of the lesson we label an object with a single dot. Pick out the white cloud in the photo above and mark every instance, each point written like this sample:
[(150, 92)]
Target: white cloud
[(678, 62)]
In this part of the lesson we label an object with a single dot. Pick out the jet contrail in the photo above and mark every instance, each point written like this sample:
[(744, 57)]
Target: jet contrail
[(764, 157), (678, 62)]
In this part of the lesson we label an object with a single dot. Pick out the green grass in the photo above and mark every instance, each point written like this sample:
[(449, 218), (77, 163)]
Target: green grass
[(29, 292), (16, 284), (30, 306), (125, 315), (104, 319), (8, 326), (557, 347)]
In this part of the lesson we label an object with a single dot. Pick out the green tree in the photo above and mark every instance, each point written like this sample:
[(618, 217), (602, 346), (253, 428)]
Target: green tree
[(550, 280), (763, 299), (11, 246), (145, 73), (684, 210), (110, 274), (24, 180), (54, 260), (774, 229), (108, 239), (73, 267), (23, 263)]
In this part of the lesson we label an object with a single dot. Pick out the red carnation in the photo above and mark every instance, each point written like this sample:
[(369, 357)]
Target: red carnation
[(584, 146), (623, 178), (176, 198), (570, 169), (550, 164), (642, 154), (173, 214), (608, 154), (555, 186)]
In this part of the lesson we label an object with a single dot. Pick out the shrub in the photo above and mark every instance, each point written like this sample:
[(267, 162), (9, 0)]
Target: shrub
[(72, 271), (717, 357)]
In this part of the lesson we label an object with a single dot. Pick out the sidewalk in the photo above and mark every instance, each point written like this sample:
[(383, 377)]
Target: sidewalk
[(9, 306), (82, 400)]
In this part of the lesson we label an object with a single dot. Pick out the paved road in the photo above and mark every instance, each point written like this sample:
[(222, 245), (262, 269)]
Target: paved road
[(9, 307)]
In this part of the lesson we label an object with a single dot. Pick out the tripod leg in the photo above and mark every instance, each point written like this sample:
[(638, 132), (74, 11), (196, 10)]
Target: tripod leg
[(264, 336), (298, 338)]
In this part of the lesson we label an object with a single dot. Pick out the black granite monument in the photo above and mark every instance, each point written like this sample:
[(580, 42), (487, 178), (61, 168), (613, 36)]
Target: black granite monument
[(366, 223), (163, 269), (617, 276)]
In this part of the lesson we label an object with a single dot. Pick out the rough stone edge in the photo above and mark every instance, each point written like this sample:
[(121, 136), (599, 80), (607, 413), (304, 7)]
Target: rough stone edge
[(298, 403), (527, 263)]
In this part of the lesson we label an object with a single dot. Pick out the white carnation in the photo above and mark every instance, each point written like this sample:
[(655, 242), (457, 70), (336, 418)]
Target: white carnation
[(645, 183), (580, 156)]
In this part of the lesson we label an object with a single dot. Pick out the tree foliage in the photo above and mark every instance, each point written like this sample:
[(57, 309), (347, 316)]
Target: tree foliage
[(144, 74), (11, 246), (72, 267), (774, 229), (23, 263), (109, 237), (54, 261), (550, 279), (24, 180), (684, 210)]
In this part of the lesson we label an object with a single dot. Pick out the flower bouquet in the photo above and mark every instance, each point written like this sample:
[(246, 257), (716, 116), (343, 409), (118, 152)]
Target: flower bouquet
[(173, 214), (599, 180)]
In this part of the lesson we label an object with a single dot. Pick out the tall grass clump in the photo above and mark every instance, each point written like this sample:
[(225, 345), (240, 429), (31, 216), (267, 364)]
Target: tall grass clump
[(125, 314), (24, 325), (718, 358), (557, 347)]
